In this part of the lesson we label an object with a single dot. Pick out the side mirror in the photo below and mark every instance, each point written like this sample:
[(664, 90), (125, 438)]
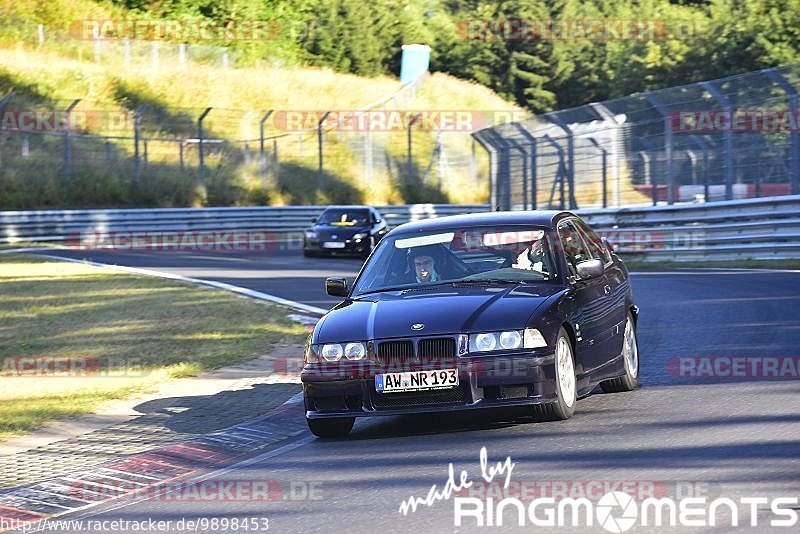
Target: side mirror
[(313, 220), (590, 269), (336, 287), (607, 244)]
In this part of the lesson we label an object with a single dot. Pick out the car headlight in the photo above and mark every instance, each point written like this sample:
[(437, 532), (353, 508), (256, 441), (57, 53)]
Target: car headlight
[(361, 235), (311, 234), (510, 339), (355, 351), (530, 338), (332, 352)]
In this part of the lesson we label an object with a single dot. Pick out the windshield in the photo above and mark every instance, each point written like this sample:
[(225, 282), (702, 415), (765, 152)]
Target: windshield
[(479, 255), (344, 217)]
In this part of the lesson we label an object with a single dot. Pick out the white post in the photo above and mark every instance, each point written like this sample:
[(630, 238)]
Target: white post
[(154, 47), (41, 35), (96, 37)]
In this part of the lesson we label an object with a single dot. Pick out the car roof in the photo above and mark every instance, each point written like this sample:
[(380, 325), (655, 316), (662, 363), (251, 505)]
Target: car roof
[(349, 207), (546, 218)]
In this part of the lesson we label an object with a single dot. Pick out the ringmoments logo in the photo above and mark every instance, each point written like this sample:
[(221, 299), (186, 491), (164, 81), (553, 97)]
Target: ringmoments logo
[(615, 511)]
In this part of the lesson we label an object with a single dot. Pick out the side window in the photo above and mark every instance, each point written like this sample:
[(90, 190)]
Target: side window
[(575, 249), (595, 243)]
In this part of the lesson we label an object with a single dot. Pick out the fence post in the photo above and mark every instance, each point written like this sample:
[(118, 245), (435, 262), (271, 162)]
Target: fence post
[(604, 157), (67, 144), (200, 151), (531, 165), (727, 137), (145, 154), (108, 152), (261, 153), (569, 166), (137, 164), (794, 135), (320, 176), (665, 116), (180, 152), (409, 161)]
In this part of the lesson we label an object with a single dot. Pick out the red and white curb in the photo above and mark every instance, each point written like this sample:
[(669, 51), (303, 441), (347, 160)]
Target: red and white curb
[(118, 479)]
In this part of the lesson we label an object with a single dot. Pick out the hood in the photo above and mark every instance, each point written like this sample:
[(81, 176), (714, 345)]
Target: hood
[(443, 310), (342, 232)]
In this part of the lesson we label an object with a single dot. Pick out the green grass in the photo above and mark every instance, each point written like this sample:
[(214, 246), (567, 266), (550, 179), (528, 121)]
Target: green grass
[(143, 330), (735, 264)]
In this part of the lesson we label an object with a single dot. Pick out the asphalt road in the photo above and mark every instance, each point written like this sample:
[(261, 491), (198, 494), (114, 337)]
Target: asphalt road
[(676, 437)]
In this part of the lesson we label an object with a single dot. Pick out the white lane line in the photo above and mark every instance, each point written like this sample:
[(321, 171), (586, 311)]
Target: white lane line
[(160, 274)]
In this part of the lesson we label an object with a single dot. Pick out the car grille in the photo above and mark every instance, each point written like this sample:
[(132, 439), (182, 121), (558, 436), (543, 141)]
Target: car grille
[(432, 349), (400, 355), (456, 395), (395, 354)]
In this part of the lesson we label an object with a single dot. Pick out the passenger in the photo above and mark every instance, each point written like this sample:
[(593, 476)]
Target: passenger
[(532, 258)]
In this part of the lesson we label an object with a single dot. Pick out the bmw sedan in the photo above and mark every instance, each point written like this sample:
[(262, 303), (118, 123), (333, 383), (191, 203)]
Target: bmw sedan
[(353, 230), (474, 311)]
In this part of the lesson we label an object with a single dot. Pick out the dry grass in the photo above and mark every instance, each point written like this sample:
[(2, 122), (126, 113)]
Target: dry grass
[(129, 332)]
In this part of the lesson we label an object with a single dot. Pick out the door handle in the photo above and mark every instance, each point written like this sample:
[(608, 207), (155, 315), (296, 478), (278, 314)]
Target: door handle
[(606, 289)]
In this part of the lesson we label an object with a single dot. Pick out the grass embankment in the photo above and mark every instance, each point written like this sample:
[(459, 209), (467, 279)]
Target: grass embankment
[(51, 76), (129, 332)]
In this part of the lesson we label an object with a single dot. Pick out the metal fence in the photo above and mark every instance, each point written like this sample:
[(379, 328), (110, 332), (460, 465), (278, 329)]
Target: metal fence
[(725, 139), (766, 228), (177, 156)]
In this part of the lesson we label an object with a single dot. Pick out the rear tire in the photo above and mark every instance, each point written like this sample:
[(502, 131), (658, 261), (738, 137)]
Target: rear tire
[(566, 384), (331, 428), (630, 358)]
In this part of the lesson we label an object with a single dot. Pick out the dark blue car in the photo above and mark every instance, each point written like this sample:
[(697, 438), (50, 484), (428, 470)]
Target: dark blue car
[(347, 230), (474, 311)]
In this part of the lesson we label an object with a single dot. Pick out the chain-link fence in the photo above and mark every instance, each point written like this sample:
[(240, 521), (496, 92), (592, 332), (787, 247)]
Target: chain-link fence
[(73, 153), (731, 138)]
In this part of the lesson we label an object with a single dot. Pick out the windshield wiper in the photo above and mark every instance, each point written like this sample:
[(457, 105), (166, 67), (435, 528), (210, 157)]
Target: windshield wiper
[(418, 286), (489, 281)]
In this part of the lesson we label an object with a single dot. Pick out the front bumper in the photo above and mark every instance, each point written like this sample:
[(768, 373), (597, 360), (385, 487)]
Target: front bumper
[(351, 246), (347, 389)]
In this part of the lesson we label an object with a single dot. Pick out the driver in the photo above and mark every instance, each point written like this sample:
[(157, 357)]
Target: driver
[(425, 268)]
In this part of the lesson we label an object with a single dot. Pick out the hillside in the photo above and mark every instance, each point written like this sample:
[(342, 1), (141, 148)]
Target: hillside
[(48, 78)]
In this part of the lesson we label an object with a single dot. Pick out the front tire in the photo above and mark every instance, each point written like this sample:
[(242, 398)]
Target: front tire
[(566, 384), (630, 357), (331, 428)]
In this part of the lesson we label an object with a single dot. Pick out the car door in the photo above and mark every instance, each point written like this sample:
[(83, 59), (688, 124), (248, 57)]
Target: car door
[(586, 299), (615, 288)]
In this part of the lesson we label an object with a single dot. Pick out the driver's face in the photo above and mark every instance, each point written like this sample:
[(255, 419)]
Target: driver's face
[(423, 265)]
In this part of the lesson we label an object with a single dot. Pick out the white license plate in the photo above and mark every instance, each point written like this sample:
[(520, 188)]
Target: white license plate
[(332, 244), (416, 380)]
